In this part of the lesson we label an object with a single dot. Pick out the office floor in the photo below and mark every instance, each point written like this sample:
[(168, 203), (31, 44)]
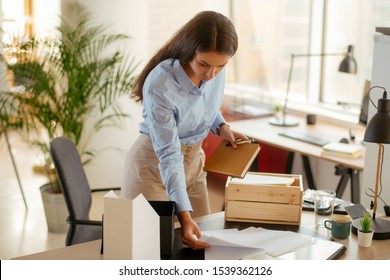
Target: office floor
[(25, 231)]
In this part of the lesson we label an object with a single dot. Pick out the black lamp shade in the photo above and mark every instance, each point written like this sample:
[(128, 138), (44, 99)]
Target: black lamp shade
[(378, 129), (348, 64)]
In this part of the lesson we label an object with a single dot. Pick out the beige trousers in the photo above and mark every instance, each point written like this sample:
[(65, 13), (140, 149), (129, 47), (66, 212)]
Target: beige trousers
[(141, 175)]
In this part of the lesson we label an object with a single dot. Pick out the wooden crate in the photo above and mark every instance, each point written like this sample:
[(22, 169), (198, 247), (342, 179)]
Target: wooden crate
[(272, 204)]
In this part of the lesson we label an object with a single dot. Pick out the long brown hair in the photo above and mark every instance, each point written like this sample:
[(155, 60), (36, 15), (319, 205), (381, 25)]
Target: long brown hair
[(208, 31)]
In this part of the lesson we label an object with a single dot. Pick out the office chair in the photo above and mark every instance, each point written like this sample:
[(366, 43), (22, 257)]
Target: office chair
[(76, 191)]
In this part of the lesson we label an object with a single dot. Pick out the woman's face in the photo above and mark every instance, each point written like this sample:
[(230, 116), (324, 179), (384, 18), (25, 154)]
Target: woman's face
[(206, 65)]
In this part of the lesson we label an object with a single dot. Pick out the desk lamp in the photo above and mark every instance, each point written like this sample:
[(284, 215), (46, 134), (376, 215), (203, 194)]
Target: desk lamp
[(347, 65), (378, 131)]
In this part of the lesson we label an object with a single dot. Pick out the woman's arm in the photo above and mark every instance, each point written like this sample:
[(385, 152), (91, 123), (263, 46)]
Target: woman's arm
[(189, 228), (229, 135)]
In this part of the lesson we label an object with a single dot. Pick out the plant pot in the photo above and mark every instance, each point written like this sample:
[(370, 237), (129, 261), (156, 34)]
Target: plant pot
[(278, 115), (365, 238), (55, 209)]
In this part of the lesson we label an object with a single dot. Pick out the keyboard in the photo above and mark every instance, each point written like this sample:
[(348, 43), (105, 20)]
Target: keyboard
[(304, 137)]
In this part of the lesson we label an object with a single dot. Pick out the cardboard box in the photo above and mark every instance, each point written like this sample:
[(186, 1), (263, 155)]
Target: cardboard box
[(270, 200)]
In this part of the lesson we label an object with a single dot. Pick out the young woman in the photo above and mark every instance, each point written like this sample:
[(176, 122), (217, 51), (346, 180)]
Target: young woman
[(181, 89)]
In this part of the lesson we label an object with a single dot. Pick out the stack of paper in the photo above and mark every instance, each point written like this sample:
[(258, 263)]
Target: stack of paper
[(234, 244), (263, 180), (342, 150)]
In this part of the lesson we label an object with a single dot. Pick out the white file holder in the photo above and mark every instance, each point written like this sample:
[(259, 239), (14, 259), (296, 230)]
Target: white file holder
[(131, 229)]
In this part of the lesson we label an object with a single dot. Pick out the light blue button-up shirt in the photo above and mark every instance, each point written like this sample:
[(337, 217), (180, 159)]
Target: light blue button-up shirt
[(177, 112)]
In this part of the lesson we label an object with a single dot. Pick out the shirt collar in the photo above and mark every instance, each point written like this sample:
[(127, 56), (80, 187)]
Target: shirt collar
[(184, 81)]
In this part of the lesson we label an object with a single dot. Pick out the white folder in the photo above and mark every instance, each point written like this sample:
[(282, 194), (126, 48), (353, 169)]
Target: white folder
[(131, 229)]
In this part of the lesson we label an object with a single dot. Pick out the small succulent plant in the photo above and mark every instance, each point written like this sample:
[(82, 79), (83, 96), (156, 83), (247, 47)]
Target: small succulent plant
[(365, 223)]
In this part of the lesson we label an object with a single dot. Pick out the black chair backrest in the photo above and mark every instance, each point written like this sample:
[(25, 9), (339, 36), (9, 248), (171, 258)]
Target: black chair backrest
[(72, 178)]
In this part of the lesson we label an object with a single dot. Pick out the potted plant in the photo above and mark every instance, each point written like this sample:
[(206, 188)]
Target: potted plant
[(278, 111), (66, 85), (365, 233)]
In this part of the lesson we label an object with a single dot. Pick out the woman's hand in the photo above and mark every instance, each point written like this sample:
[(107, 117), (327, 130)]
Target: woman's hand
[(188, 229), (229, 135)]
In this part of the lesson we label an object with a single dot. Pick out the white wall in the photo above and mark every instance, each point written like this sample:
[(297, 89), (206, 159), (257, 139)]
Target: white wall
[(380, 77), (129, 17)]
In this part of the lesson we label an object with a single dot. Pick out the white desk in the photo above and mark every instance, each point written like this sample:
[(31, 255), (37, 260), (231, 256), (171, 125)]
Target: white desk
[(380, 249), (260, 130)]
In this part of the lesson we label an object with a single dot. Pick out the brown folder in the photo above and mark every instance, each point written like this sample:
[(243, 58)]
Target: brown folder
[(232, 162)]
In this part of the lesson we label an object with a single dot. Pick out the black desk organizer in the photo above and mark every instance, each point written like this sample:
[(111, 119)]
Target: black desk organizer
[(182, 252), (165, 209)]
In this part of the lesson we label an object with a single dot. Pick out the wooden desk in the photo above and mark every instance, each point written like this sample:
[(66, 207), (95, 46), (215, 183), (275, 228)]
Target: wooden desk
[(260, 130), (380, 249)]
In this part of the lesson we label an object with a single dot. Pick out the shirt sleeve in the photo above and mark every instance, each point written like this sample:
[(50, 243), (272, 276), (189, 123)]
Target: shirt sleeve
[(219, 119), (166, 143)]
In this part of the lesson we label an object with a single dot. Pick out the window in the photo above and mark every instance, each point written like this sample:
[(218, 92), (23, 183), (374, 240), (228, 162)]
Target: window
[(29, 17), (21, 19), (270, 31), (353, 22), (15, 20)]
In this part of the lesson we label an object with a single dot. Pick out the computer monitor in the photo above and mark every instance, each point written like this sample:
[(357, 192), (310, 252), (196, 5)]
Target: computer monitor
[(364, 106)]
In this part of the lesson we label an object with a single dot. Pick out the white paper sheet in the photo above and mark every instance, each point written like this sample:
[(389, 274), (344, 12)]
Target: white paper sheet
[(225, 250), (261, 180), (234, 244)]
